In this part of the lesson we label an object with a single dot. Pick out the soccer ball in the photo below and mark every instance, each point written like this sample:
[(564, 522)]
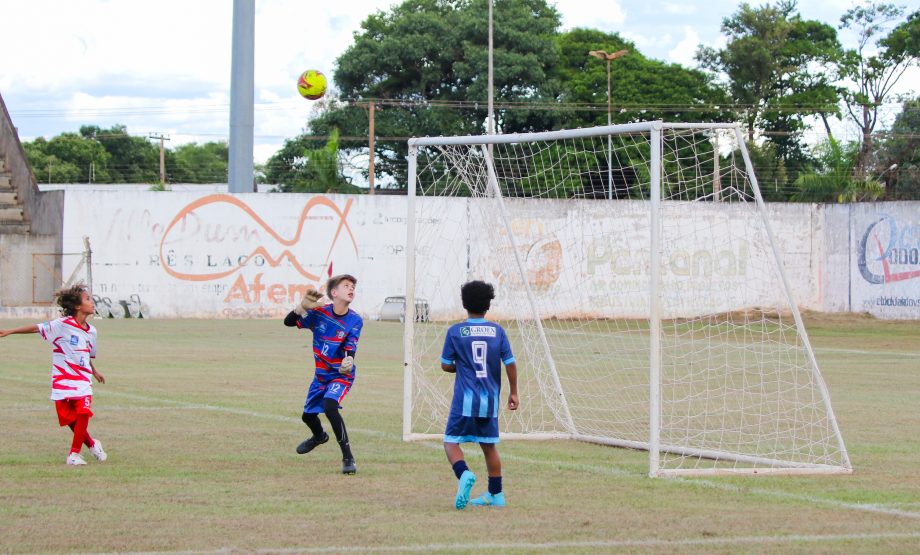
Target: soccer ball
[(312, 84)]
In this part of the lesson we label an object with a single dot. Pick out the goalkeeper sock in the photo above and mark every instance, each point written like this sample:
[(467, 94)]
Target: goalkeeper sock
[(312, 420), (495, 485), (460, 467), (331, 406)]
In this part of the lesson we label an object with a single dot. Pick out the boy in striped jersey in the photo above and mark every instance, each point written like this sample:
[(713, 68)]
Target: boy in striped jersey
[(475, 350), (336, 329), (72, 369)]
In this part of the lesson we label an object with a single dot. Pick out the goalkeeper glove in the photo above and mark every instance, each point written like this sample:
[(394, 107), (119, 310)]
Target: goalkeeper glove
[(310, 301), (347, 364)]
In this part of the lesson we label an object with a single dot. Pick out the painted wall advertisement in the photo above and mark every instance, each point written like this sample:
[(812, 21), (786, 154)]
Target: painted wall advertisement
[(187, 254), (885, 275), (248, 255)]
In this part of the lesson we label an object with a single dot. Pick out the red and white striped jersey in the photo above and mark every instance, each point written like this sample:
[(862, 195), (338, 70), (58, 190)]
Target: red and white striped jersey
[(72, 348)]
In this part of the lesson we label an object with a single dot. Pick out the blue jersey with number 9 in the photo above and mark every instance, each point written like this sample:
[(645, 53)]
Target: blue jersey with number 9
[(477, 348)]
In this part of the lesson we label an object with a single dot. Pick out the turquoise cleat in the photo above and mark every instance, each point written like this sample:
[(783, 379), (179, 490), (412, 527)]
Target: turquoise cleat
[(489, 500), (467, 479)]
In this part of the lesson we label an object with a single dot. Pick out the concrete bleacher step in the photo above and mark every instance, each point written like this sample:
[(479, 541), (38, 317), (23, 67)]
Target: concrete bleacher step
[(14, 229), (10, 214), (6, 182), (8, 197)]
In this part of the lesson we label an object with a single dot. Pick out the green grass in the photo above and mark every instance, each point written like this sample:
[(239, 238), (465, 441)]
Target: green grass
[(200, 420)]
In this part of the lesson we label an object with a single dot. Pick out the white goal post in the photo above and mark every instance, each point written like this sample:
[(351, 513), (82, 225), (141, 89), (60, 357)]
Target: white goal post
[(643, 289)]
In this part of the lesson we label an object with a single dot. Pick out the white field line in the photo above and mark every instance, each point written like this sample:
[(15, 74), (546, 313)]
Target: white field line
[(595, 544), (608, 470)]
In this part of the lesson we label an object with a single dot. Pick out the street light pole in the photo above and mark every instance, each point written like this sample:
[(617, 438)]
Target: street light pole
[(608, 58)]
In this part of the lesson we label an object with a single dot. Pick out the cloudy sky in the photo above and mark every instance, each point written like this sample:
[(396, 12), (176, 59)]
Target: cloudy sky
[(164, 66)]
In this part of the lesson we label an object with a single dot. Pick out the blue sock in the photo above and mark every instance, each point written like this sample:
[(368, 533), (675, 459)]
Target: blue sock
[(495, 484), (459, 467)]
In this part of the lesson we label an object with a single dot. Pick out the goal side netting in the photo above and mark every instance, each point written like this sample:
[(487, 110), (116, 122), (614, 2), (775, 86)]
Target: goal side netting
[(641, 284)]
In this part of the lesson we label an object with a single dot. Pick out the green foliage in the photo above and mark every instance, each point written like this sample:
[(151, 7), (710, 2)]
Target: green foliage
[(898, 160), (69, 157), (875, 72), (772, 176), (642, 89), (436, 51), (833, 179), (48, 168), (776, 65), (113, 156), (296, 168), (194, 163), (131, 159)]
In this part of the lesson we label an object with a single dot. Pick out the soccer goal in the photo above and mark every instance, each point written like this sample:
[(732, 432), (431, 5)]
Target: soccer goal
[(641, 284)]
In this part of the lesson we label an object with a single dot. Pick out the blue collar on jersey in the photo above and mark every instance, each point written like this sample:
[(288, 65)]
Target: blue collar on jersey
[(477, 320)]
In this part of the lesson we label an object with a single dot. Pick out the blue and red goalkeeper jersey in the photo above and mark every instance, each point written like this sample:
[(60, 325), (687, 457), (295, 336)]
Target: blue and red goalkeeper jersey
[(332, 336)]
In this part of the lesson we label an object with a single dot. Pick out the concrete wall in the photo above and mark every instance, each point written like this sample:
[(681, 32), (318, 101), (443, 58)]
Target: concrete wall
[(27, 278), (187, 254)]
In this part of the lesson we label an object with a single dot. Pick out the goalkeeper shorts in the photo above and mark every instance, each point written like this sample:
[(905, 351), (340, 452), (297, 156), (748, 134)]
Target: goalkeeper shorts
[(335, 389)]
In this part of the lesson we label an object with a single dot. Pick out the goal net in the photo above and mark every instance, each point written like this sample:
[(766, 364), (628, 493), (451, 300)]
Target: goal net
[(642, 288)]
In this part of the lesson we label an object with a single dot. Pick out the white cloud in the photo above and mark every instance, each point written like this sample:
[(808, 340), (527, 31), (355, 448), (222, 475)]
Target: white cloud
[(608, 15), (679, 9), (165, 66), (683, 52)]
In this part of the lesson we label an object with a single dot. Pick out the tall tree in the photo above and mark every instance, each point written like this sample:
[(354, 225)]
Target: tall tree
[(47, 167), (899, 155), (132, 159), (641, 88), (300, 168), (70, 157), (775, 64), (194, 163), (875, 66), (427, 61)]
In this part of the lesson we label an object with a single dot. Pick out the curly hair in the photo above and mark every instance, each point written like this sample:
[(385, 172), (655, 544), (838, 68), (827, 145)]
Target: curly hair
[(477, 296), (70, 299)]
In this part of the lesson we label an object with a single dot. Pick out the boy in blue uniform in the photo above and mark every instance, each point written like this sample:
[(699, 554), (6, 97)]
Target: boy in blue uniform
[(475, 350), (336, 329)]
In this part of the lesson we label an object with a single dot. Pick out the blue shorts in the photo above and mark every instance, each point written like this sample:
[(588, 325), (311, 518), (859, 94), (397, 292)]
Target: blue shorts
[(334, 389), (471, 429)]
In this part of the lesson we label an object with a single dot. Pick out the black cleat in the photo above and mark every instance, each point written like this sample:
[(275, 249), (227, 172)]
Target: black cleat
[(310, 443), (348, 466)]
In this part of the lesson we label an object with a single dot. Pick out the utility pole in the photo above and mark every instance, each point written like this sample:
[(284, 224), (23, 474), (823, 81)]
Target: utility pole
[(609, 58), (162, 138), (370, 146)]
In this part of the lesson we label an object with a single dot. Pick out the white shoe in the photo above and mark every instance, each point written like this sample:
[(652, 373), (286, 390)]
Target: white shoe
[(74, 459), (97, 451)]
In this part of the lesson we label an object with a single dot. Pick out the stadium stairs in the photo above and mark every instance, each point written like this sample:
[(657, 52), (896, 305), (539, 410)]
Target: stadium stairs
[(31, 223)]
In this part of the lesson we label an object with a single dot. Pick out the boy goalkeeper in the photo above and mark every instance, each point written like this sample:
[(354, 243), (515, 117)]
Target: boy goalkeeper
[(475, 350), (336, 329)]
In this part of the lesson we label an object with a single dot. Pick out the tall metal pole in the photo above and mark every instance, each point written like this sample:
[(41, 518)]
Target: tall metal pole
[(242, 86), (162, 161), (609, 141), (370, 147), (654, 379), (490, 127)]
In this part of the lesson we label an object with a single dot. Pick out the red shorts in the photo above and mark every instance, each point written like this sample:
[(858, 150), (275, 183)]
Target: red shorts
[(68, 409)]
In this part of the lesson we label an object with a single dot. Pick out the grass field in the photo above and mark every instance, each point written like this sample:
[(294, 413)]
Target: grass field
[(200, 420)]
